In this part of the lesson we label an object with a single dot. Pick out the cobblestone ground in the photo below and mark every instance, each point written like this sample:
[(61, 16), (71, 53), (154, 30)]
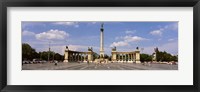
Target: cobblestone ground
[(93, 66)]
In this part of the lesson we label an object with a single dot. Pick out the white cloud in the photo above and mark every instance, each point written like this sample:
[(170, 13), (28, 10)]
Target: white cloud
[(133, 38), (58, 49), (170, 39), (156, 32), (66, 23), (32, 24), (77, 47), (75, 24), (118, 38), (28, 33), (130, 32), (118, 44), (93, 22), (173, 26), (127, 40), (52, 35), (170, 27)]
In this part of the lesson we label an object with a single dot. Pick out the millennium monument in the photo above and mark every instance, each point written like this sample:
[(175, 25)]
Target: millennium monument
[(102, 43), (117, 56)]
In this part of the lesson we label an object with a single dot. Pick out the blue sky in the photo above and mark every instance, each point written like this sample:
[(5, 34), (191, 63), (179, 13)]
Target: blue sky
[(126, 36)]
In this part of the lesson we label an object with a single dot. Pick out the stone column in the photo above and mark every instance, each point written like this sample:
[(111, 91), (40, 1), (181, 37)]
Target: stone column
[(81, 57), (78, 57), (75, 57), (122, 57), (90, 58), (131, 57), (128, 57), (84, 57), (125, 57), (129, 61), (102, 42), (114, 56), (70, 57), (137, 56), (119, 57), (66, 59)]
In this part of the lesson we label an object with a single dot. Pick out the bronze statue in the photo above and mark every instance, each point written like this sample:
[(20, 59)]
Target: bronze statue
[(102, 25), (114, 48)]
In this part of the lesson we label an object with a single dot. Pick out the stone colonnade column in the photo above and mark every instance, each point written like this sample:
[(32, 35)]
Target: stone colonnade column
[(90, 56), (84, 57), (128, 59), (114, 56), (137, 56), (66, 58), (122, 58)]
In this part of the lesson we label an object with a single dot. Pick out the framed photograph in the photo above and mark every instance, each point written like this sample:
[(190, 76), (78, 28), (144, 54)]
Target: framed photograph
[(129, 45)]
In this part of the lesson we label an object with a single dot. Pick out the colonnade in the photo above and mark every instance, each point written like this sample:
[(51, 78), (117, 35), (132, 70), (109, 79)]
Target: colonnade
[(129, 57), (121, 56), (75, 56)]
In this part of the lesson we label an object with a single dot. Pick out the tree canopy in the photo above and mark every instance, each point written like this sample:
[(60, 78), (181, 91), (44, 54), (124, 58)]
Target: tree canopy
[(145, 57), (164, 56), (29, 53)]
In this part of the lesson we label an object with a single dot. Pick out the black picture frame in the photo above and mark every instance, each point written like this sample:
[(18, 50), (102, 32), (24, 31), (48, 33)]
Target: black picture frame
[(99, 3)]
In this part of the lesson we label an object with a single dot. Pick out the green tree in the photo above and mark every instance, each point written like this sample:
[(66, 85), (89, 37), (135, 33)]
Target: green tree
[(52, 56), (58, 57), (28, 53), (145, 57), (164, 56)]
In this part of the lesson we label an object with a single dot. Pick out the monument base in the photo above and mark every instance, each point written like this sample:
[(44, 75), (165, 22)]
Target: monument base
[(65, 61), (154, 61), (137, 62), (130, 62)]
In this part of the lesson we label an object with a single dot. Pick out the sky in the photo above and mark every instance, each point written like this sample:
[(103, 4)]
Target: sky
[(78, 36)]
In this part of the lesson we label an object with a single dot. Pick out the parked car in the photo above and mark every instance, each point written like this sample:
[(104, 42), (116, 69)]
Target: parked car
[(25, 62), (172, 63)]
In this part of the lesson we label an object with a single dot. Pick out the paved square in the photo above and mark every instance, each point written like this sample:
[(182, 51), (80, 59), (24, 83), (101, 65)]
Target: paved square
[(103, 66)]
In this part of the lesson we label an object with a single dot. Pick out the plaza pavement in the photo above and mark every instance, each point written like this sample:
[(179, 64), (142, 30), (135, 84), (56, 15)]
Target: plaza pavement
[(103, 66)]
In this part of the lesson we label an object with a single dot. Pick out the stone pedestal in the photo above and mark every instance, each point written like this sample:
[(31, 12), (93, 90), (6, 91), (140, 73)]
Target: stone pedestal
[(137, 62), (137, 56), (65, 61), (130, 62), (66, 54), (90, 56), (114, 56)]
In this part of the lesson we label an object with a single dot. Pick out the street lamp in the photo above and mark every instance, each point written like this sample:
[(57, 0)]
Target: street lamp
[(49, 51)]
